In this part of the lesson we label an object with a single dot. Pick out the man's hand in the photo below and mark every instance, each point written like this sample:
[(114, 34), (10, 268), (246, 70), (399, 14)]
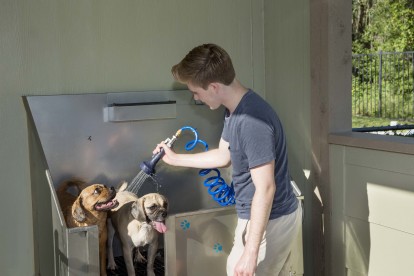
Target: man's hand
[(169, 155), (246, 266)]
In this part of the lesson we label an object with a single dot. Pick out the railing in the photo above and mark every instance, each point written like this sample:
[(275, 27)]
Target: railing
[(383, 85), (395, 130)]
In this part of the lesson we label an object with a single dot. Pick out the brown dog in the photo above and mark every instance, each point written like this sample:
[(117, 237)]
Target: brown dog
[(138, 222), (89, 207)]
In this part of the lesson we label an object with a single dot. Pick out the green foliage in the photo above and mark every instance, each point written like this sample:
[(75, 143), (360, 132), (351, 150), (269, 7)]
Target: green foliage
[(386, 25), (393, 28)]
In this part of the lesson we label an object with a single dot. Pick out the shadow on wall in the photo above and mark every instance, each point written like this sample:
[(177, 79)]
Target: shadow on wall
[(378, 231), (357, 237), (340, 233)]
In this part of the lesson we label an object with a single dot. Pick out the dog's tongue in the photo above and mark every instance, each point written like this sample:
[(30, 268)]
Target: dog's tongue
[(160, 227)]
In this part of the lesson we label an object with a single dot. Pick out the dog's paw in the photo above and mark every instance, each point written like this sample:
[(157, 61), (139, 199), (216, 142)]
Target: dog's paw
[(139, 258), (111, 265)]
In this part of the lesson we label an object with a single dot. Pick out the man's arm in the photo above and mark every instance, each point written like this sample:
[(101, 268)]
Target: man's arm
[(264, 182), (214, 158)]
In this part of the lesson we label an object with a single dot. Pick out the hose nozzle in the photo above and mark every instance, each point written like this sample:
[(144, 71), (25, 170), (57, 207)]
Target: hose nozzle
[(149, 166)]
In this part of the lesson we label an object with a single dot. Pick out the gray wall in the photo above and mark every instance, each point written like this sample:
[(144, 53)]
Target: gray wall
[(288, 90)]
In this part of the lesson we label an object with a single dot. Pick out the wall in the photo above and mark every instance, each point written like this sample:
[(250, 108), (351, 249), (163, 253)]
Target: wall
[(65, 47), (372, 210), (330, 103), (288, 90)]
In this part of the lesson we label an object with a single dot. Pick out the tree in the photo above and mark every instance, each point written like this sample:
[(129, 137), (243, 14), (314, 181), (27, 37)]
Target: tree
[(360, 22), (386, 25)]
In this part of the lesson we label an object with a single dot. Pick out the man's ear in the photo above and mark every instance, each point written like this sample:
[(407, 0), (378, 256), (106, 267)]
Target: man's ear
[(77, 211), (214, 86), (137, 210)]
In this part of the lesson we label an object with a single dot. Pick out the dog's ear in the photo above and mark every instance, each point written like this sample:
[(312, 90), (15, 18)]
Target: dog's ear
[(77, 211), (122, 186), (137, 210)]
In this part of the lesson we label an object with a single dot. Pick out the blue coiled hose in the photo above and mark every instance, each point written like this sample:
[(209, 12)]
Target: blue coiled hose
[(222, 193)]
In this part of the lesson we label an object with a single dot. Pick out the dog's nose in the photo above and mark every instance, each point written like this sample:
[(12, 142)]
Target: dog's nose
[(164, 215), (112, 188)]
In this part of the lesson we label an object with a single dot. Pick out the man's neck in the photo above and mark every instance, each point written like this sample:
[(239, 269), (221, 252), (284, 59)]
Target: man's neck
[(232, 95)]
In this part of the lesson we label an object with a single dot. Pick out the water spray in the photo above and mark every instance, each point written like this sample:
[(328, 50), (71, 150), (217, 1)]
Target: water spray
[(148, 167)]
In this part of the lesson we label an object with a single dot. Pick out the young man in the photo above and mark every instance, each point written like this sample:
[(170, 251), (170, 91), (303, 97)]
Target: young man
[(253, 141)]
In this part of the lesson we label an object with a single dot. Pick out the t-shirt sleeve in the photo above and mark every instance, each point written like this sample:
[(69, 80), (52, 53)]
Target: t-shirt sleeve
[(257, 140)]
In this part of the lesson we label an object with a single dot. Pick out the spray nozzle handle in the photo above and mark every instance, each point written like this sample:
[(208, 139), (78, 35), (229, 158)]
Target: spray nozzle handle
[(149, 166), (170, 141), (156, 157)]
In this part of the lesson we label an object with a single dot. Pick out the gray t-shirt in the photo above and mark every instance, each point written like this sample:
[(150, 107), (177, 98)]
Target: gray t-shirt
[(256, 137)]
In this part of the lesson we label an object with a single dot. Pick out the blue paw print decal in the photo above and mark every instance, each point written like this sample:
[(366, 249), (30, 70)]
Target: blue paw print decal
[(218, 247), (185, 224)]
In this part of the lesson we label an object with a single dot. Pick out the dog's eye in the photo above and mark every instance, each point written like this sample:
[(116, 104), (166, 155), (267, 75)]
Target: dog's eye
[(152, 207), (97, 191)]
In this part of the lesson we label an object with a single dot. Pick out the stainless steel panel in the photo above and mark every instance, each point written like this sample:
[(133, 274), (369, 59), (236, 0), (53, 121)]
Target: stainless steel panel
[(150, 111), (83, 251), (198, 243), (76, 249), (78, 141)]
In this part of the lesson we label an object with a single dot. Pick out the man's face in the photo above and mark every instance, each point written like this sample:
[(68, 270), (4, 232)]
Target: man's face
[(208, 97)]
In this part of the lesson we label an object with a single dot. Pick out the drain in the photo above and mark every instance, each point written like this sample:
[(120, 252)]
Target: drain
[(140, 268)]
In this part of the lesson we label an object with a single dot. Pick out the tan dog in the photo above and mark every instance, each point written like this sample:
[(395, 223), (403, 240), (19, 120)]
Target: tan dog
[(89, 207), (138, 222)]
